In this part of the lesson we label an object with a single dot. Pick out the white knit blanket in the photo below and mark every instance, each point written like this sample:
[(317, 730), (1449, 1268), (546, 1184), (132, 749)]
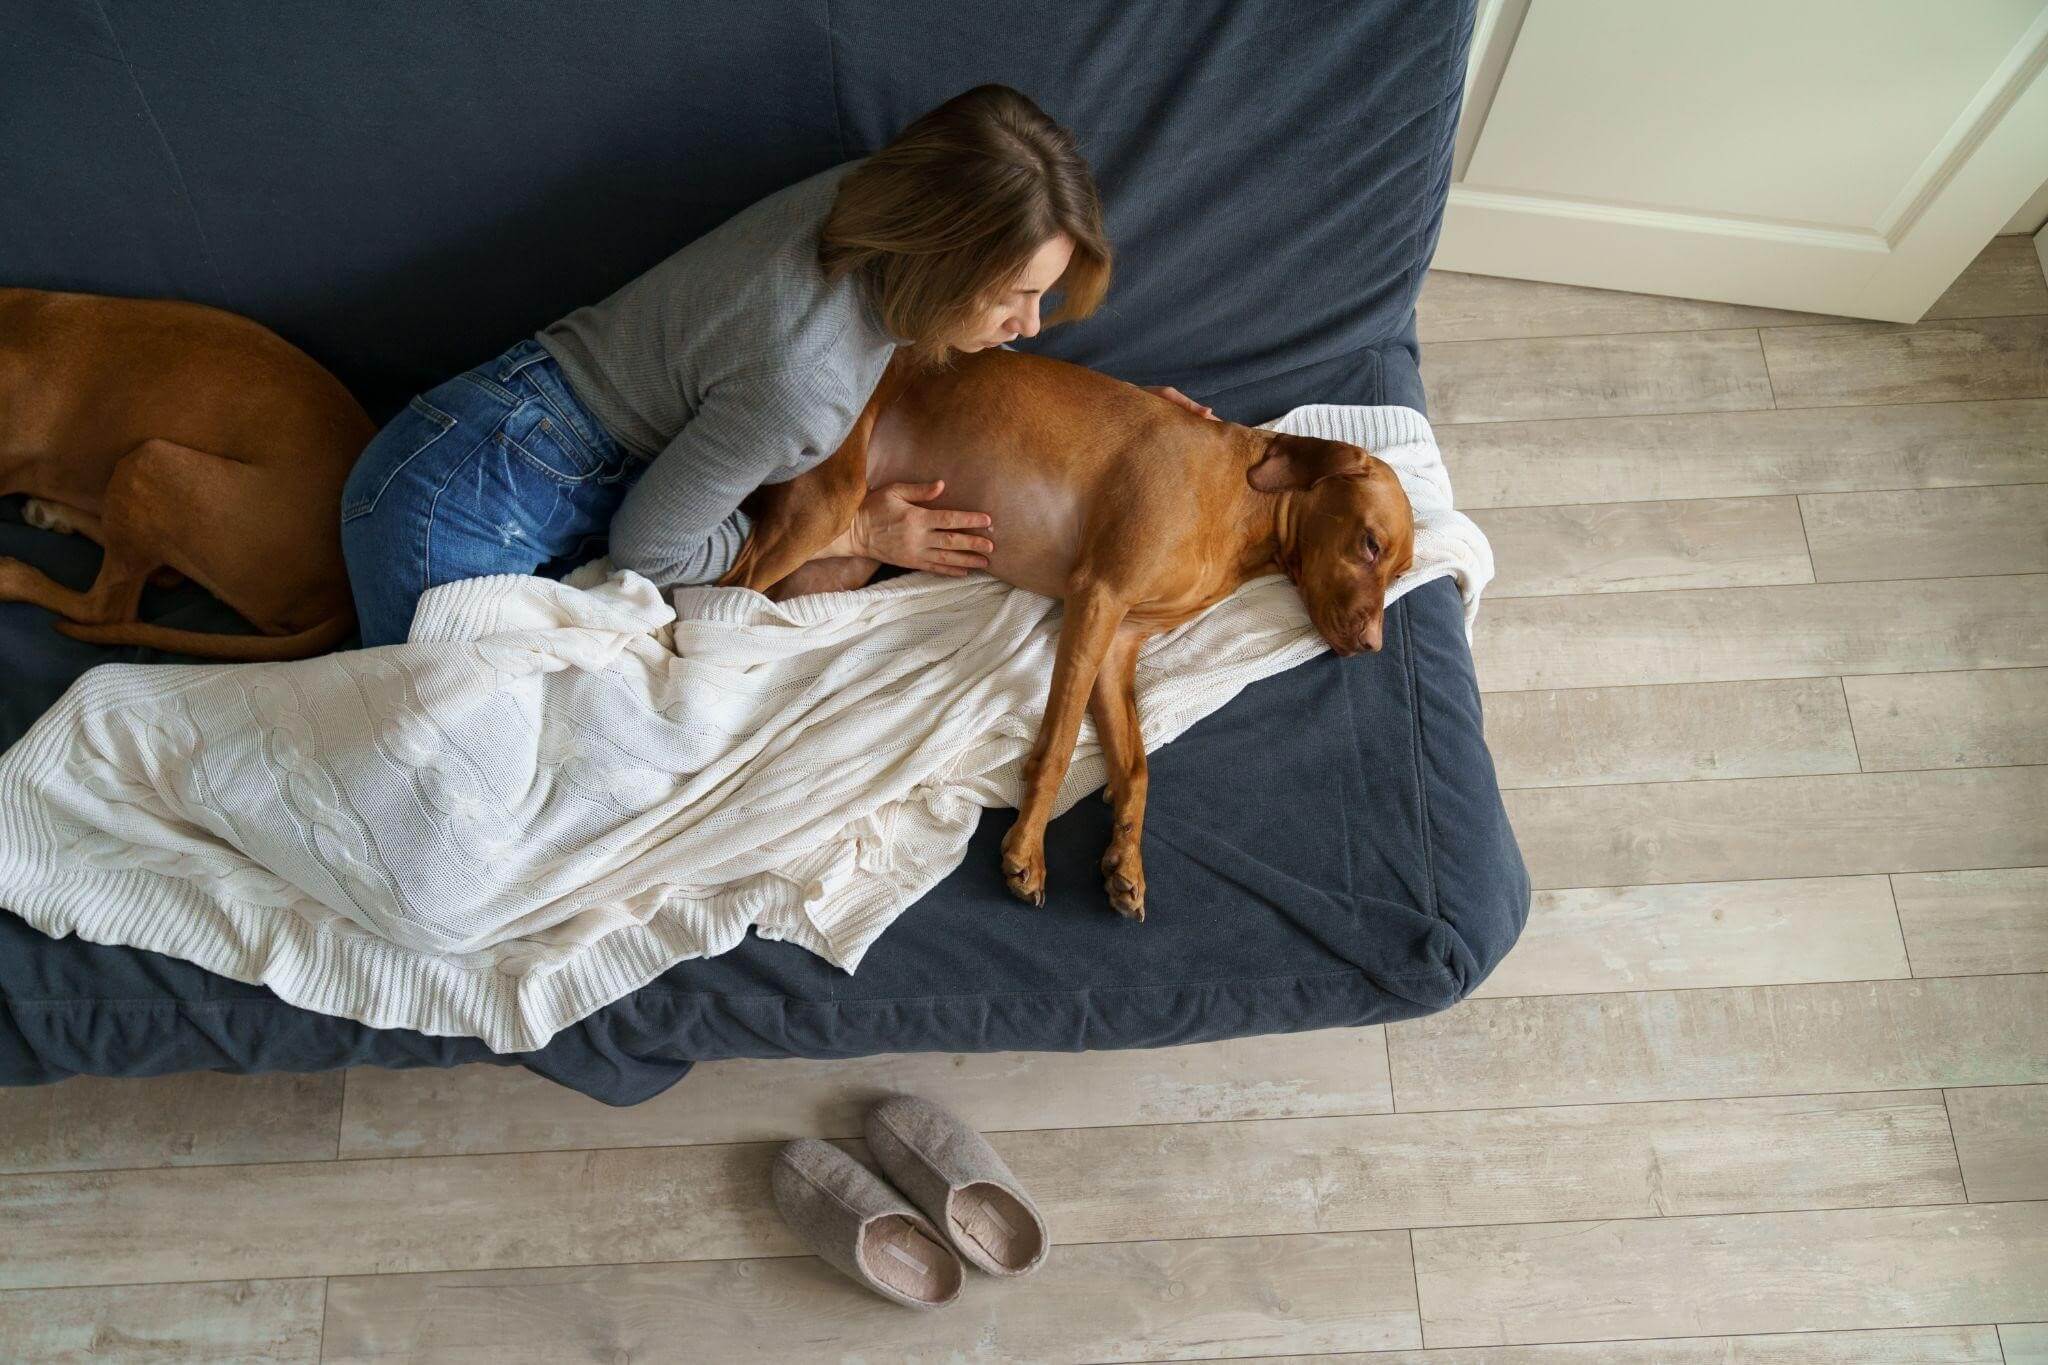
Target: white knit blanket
[(553, 791)]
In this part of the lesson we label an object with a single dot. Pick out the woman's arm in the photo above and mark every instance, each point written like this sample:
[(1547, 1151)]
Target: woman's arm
[(841, 547), (680, 523)]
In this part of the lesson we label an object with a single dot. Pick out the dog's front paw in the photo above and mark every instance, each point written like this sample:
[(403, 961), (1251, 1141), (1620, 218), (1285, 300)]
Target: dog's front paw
[(1123, 876), (1024, 867)]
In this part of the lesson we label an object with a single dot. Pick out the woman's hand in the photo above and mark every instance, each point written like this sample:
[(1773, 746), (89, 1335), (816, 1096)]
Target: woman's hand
[(891, 527), (1168, 391)]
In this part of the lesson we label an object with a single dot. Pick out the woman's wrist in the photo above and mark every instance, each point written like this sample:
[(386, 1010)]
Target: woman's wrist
[(847, 543), (855, 535)]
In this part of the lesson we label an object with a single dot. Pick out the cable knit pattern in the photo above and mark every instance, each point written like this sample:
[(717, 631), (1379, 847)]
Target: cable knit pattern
[(553, 791)]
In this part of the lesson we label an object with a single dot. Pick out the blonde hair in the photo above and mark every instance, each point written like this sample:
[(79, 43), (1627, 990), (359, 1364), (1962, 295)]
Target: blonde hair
[(942, 221)]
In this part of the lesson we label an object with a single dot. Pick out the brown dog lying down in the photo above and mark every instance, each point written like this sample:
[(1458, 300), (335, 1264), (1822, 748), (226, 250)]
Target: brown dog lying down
[(1134, 511), (188, 442)]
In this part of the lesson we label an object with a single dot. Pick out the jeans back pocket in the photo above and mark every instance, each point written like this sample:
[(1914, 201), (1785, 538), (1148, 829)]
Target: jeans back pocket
[(418, 425)]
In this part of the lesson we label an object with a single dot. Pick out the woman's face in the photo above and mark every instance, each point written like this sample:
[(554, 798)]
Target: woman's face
[(1016, 313)]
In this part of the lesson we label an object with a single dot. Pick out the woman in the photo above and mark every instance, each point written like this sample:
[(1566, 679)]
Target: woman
[(638, 424)]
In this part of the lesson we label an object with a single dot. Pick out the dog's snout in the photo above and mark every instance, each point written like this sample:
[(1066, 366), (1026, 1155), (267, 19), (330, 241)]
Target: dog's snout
[(1349, 635), (1368, 634)]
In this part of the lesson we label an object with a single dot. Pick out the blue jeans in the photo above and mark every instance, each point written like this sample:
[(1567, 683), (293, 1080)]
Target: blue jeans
[(498, 470)]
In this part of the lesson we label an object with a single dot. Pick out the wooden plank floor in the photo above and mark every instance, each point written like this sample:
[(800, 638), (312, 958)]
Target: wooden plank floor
[(1766, 1080)]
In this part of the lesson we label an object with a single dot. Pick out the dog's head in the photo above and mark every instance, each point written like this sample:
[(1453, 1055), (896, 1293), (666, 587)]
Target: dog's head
[(1345, 530)]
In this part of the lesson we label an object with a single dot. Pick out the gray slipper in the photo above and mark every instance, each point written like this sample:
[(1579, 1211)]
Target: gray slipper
[(951, 1172), (861, 1227)]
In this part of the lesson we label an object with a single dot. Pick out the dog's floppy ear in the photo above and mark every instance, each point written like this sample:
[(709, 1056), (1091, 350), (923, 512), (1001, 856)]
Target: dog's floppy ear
[(1297, 462)]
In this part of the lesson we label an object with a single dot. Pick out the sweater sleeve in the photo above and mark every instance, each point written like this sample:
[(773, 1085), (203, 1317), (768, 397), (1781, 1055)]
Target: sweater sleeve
[(680, 523)]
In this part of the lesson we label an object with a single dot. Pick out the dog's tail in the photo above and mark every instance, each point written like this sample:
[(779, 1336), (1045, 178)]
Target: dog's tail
[(209, 644)]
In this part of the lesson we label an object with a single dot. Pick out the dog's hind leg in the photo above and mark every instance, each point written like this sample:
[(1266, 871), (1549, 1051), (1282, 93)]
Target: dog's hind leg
[(112, 597), (46, 514), (166, 501)]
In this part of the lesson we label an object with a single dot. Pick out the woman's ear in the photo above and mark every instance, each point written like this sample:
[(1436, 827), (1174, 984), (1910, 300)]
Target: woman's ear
[(1292, 463)]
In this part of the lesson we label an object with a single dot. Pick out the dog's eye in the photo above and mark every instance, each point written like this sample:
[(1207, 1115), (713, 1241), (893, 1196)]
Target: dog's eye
[(1369, 546)]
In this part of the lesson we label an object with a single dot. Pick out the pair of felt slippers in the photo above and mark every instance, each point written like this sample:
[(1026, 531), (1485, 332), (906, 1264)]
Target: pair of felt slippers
[(964, 1205)]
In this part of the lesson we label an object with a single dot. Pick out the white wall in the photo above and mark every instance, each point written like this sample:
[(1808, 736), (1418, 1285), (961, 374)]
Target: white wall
[(2033, 215)]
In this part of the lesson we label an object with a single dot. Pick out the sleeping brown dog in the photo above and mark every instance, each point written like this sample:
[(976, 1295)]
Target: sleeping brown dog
[(1132, 510), (190, 443)]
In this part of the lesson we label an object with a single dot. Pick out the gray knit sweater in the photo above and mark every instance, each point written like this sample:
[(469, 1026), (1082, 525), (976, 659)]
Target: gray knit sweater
[(731, 364)]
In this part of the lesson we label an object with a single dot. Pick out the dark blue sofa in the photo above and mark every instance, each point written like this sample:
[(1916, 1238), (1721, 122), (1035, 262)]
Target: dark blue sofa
[(405, 190)]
